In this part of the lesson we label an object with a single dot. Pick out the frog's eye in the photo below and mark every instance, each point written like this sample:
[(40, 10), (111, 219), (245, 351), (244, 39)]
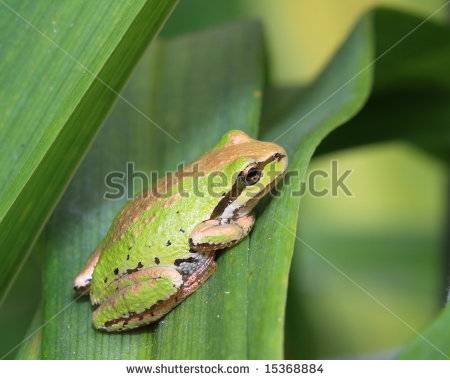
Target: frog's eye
[(251, 174)]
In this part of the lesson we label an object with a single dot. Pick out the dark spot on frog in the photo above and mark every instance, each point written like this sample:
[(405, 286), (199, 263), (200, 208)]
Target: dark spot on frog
[(128, 257), (106, 280), (178, 262), (157, 261), (130, 247), (223, 194), (116, 271), (178, 212), (181, 230), (192, 251), (139, 266), (168, 243), (125, 323)]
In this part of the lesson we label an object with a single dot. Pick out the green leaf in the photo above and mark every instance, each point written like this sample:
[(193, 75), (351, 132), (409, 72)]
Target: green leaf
[(308, 116), (31, 347), (197, 87), (62, 65), (433, 343)]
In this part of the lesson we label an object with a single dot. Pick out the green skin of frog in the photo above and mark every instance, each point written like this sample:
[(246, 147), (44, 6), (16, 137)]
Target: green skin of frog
[(161, 248)]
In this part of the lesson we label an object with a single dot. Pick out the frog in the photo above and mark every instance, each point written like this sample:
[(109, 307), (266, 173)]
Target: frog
[(163, 244)]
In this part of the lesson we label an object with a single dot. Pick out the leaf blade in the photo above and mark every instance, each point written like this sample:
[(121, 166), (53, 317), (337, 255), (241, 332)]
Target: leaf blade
[(336, 96), (52, 119)]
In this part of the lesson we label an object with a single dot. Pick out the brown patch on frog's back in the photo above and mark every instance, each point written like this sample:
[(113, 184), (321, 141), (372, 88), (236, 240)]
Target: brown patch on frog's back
[(258, 151), (168, 201), (232, 138), (133, 212), (137, 231), (149, 220)]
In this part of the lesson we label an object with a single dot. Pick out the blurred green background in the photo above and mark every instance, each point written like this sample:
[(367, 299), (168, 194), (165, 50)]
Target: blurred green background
[(388, 237)]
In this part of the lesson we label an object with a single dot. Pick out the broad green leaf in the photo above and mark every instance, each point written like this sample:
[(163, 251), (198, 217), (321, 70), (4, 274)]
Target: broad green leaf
[(62, 65), (433, 343), (197, 87), (338, 93), (31, 347), (20, 305)]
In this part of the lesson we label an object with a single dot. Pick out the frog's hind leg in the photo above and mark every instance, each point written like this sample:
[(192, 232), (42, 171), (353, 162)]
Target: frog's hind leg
[(138, 303), (190, 285), (105, 317), (83, 280)]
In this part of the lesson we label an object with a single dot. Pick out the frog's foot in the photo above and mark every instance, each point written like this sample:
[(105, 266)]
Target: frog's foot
[(139, 303), (216, 234), (83, 280)]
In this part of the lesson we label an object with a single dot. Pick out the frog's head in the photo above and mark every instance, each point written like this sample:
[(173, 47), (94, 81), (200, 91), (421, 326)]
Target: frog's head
[(252, 167)]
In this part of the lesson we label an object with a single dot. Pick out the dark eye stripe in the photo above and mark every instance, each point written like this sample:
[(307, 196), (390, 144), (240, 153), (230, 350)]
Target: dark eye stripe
[(229, 198), (239, 187)]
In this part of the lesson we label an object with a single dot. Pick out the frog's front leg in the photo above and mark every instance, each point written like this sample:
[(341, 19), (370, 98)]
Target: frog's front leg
[(83, 280), (216, 234)]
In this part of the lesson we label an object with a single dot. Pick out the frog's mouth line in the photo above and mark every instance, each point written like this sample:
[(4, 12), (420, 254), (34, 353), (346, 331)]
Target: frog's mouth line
[(239, 186)]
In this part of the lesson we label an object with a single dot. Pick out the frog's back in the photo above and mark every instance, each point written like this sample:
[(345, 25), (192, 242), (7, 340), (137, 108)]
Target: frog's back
[(149, 231)]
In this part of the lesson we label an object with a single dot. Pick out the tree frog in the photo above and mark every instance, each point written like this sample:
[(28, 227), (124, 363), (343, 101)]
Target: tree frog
[(161, 248)]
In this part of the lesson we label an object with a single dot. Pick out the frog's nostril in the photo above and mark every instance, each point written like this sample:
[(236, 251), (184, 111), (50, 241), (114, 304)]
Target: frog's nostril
[(277, 157)]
